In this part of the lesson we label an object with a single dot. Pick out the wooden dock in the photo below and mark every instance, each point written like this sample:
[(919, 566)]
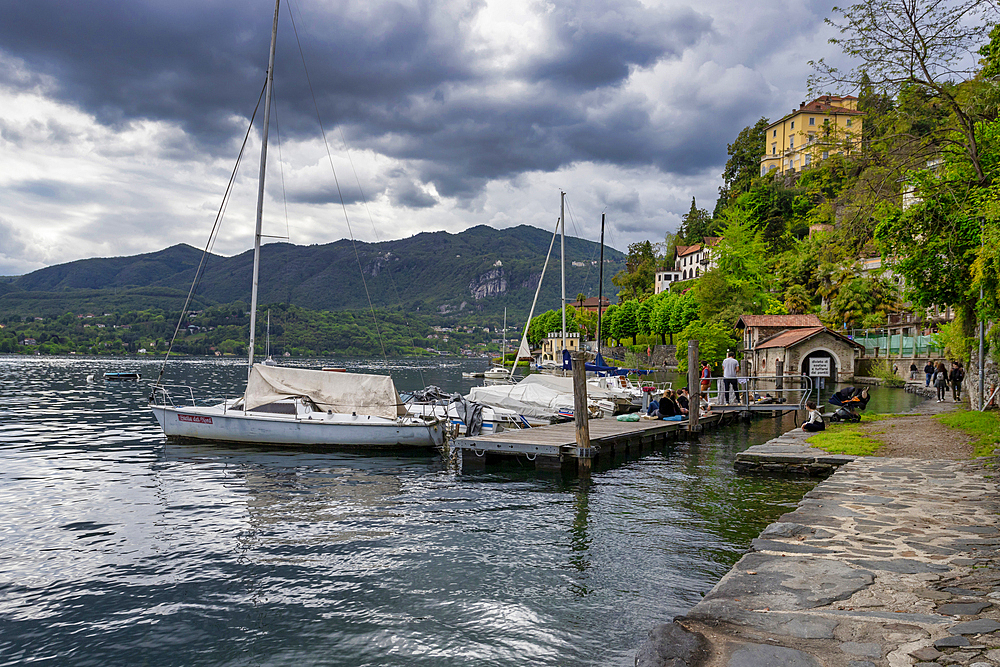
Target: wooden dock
[(554, 447)]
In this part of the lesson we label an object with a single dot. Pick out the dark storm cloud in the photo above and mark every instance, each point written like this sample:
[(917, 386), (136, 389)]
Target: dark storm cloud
[(405, 80), (596, 44)]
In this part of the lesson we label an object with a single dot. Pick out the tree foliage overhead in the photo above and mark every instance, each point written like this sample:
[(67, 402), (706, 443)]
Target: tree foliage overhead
[(924, 44)]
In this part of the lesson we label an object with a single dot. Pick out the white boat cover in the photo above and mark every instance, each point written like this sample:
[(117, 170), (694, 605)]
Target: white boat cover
[(341, 392), (537, 395)]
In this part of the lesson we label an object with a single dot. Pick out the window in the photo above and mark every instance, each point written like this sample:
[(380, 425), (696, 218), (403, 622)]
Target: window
[(826, 154), (848, 122), (793, 124), (762, 170), (791, 142), (774, 149), (812, 121), (775, 133)]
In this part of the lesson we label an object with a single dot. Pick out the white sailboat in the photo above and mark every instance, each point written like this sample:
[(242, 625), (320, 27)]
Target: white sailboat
[(298, 406)]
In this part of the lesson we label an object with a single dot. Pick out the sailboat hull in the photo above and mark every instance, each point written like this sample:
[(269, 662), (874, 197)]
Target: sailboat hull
[(338, 431)]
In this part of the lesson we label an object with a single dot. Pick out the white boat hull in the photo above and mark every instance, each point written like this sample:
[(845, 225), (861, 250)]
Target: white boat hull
[(317, 430)]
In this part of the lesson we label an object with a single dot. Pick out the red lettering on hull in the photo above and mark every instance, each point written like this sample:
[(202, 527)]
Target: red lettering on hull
[(194, 418)]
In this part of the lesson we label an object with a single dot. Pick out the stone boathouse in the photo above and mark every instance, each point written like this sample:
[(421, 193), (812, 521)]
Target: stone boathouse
[(801, 343)]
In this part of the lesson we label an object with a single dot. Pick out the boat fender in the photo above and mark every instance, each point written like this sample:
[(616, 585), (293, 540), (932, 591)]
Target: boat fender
[(354, 414), (329, 412)]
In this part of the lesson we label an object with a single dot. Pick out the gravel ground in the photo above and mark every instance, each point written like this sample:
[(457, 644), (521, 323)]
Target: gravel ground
[(920, 436)]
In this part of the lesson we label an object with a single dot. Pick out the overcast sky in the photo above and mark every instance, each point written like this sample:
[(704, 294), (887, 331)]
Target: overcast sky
[(120, 121)]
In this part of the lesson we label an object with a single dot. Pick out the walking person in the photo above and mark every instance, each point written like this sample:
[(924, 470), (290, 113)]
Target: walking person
[(913, 371), (956, 377), (940, 381), (929, 372), (730, 370), (815, 422)]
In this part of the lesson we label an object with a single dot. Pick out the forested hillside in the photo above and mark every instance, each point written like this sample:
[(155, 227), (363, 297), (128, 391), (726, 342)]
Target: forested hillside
[(474, 274)]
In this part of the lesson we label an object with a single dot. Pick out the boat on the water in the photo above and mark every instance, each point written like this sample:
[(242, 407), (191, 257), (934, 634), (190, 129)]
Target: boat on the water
[(541, 399), (296, 406), (121, 377)]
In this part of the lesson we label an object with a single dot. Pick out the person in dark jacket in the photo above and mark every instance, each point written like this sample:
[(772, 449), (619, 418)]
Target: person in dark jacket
[(940, 381), (929, 372), (683, 400), (956, 377), (668, 407), (913, 371)]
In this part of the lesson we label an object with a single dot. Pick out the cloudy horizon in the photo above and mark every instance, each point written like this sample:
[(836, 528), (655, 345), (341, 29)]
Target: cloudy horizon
[(121, 121)]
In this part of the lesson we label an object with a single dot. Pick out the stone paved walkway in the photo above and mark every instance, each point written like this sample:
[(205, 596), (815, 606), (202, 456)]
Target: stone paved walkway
[(888, 562)]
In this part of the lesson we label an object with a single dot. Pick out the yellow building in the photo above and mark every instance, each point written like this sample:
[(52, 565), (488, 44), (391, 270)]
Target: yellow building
[(829, 125), (553, 345)]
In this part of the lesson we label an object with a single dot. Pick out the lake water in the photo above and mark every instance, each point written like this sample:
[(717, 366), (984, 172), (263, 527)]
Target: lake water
[(117, 548)]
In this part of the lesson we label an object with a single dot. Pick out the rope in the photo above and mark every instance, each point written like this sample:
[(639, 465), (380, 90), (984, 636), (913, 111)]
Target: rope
[(199, 273), (340, 193)]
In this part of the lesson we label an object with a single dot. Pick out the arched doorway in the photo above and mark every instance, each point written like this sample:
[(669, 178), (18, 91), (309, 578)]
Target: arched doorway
[(821, 366)]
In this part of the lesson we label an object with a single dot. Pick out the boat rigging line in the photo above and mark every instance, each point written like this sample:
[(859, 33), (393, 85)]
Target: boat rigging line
[(340, 194), (199, 272), (371, 219)]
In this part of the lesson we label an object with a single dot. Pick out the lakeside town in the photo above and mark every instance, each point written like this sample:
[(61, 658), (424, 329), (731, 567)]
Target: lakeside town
[(765, 436)]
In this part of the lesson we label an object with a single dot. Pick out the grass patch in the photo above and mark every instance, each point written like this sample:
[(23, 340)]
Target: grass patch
[(841, 438), (985, 426), (844, 439)]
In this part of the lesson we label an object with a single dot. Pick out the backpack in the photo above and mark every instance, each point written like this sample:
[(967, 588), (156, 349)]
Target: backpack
[(940, 378)]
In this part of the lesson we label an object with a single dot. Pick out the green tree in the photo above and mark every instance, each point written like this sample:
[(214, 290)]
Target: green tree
[(696, 224), (636, 279), (743, 165), (627, 320), (714, 340)]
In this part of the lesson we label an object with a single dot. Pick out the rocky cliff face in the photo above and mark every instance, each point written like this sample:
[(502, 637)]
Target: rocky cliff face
[(491, 283)]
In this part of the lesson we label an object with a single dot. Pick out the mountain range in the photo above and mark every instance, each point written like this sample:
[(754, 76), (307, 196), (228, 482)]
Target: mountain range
[(477, 272)]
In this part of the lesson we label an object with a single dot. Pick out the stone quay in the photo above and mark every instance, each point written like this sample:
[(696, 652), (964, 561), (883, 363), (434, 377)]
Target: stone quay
[(888, 562)]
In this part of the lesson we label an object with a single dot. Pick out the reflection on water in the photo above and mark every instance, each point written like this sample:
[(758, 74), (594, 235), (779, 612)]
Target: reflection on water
[(121, 549)]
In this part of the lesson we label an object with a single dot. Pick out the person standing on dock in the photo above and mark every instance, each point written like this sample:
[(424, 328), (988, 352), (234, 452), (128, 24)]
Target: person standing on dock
[(730, 369), (706, 375)]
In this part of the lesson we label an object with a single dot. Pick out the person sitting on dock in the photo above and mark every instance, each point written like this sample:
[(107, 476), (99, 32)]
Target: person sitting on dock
[(706, 407), (815, 422), (668, 407), (683, 400)]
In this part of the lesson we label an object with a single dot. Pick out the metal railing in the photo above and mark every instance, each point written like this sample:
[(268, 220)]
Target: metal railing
[(161, 395), (759, 392)]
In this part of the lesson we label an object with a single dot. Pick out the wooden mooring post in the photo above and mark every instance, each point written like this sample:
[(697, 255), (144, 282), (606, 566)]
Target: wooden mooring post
[(584, 452), (694, 386)]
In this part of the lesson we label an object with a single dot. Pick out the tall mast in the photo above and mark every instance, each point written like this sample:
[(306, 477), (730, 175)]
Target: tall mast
[(600, 289), (503, 344), (562, 261), (260, 186)]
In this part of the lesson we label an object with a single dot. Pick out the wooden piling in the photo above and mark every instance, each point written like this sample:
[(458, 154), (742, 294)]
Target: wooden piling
[(694, 386), (779, 377), (580, 415)]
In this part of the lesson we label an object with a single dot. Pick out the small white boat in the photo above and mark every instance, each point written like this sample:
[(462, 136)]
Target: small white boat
[(305, 407), (496, 373)]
